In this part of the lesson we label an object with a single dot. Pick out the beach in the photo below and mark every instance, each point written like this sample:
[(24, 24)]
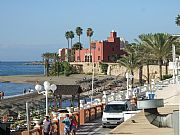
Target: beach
[(41, 78)]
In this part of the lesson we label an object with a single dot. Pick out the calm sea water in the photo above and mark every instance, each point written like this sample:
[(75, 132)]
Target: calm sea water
[(18, 68), (21, 68)]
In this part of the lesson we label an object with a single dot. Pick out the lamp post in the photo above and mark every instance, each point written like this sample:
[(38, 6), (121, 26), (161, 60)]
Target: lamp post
[(93, 60), (174, 65), (128, 76), (92, 84), (47, 88), (27, 116)]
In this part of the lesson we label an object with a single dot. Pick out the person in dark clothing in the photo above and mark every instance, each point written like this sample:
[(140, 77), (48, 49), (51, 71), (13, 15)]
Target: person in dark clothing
[(67, 124), (73, 125), (47, 126), (24, 91), (1, 94)]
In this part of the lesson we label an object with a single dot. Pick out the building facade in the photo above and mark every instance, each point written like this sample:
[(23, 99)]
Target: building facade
[(102, 51), (64, 53)]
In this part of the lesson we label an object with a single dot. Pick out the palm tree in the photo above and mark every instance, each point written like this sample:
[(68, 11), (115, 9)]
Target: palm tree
[(46, 58), (159, 45), (178, 20), (89, 33), (130, 61), (55, 58), (139, 50), (77, 45), (147, 61), (67, 35), (79, 32), (71, 36), (145, 56)]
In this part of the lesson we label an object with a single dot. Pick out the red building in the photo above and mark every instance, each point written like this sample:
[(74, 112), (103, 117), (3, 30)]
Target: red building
[(102, 51), (63, 53)]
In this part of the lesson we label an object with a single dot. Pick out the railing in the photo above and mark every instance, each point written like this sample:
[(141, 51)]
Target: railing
[(4, 128), (90, 113), (84, 115)]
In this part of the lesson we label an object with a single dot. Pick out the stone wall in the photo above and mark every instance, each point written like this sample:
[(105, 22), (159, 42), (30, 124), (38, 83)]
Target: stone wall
[(87, 67), (115, 69)]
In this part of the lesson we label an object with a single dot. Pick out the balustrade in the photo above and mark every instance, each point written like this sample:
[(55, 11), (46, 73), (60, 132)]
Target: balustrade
[(58, 127)]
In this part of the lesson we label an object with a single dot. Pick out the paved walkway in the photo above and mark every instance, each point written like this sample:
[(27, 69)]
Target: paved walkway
[(142, 125), (170, 94), (139, 125), (93, 128)]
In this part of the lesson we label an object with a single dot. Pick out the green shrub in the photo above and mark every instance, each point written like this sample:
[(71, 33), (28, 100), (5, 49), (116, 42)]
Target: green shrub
[(62, 68), (104, 68), (166, 77)]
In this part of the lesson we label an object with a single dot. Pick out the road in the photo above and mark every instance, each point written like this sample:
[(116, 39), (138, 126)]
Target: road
[(93, 128)]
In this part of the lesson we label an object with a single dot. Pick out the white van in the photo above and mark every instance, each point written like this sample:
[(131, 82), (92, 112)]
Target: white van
[(113, 113)]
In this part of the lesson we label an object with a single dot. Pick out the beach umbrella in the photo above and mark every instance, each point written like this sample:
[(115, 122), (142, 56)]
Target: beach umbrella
[(9, 113), (5, 106), (18, 109)]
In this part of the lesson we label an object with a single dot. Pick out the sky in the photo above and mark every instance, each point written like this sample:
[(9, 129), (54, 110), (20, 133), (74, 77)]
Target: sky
[(29, 28)]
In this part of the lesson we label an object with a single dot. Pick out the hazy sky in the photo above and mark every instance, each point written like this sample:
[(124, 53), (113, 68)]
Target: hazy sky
[(29, 28)]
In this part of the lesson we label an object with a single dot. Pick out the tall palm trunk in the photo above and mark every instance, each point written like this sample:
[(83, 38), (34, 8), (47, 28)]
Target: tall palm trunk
[(68, 52), (79, 49), (132, 80), (90, 57), (79, 38), (71, 51), (148, 76), (57, 68), (160, 69), (55, 63), (44, 66), (140, 75), (47, 67), (167, 67)]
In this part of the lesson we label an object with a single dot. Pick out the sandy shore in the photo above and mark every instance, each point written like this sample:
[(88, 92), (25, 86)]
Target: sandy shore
[(40, 78)]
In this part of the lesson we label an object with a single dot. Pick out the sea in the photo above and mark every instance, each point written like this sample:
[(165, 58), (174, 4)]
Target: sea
[(22, 68), (18, 68)]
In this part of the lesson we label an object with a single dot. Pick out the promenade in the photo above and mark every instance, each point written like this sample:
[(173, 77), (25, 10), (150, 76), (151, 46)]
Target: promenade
[(139, 125), (93, 128)]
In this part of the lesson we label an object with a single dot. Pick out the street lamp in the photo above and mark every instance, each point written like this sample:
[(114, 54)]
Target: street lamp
[(47, 88), (128, 76), (93, 60), (174, 65), (92, 85)]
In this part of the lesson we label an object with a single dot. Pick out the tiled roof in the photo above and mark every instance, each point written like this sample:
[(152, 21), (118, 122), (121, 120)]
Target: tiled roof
[(68, 90)]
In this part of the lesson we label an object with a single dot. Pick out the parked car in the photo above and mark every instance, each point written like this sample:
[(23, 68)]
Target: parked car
[(113, 113)]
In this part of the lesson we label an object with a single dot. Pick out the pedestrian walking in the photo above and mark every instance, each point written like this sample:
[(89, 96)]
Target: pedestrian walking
[(133, 103), (24, 91), (73, 125), (2, 94), (47, 126), (67, 124)]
